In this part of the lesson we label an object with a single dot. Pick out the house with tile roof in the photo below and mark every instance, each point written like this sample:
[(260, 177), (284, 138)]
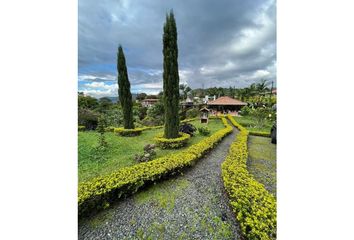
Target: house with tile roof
[(226, 104)]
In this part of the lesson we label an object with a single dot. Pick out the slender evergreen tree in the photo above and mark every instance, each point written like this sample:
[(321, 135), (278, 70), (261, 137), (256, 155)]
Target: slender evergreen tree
[(170, 77), (125, 97)]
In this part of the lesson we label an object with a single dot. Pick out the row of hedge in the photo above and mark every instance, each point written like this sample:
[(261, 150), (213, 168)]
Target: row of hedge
[(100, 192), (137, 131), (161, 126), (128, 132), (254, 206), (172, 143), (261, 134)]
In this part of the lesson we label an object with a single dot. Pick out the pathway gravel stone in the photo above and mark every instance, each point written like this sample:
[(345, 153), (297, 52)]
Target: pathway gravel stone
[(189, 206)]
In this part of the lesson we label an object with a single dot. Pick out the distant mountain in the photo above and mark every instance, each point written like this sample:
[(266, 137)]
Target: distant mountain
[(115, 99)]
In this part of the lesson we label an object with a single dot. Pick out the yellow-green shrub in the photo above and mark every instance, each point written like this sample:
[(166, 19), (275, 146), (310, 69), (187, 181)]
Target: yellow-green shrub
[(172, 143), (81, 128), (128, 132), (261, 134), (254, 206), (98, 193)]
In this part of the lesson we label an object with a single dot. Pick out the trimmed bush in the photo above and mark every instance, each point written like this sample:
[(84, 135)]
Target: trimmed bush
[(82, 128), (254, 206), (172, 143), (205, 131), (129, 132), (261, 134), (100, 192)]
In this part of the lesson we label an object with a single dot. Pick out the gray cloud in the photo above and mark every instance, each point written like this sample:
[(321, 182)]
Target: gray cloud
[(221, 43)]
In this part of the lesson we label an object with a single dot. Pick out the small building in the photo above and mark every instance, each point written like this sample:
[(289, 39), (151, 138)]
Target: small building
[(204, 115), (226, 105), (187, 104), (149, 102)]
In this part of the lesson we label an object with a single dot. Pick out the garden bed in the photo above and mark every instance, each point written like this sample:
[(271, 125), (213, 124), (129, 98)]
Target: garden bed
[(100, 192), (121, 150)]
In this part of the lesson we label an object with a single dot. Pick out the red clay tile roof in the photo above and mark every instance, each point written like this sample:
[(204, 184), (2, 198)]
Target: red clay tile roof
[(226, 101)]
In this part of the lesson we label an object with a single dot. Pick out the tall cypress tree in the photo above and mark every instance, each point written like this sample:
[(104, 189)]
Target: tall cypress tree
[(170, 77), (125, 97)]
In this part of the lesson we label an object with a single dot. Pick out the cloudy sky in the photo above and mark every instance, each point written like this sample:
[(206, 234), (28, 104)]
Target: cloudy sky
[(221, 43)]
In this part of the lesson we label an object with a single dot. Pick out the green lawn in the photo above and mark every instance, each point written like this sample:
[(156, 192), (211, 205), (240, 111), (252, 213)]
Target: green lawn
[(121, 150), (249, 123), (262, 161)]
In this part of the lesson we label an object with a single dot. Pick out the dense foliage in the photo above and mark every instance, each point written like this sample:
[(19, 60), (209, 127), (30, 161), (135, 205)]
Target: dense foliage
[(192, 113), (88, 118), (254, 206), (204, 130), (99, 192), (154, 115), (170, 77), (187, 128), (125, 97)]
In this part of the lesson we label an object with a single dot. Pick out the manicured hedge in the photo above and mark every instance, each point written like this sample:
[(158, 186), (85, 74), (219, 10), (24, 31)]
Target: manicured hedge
[(261, 134), (254, 206), (98, 193), (82, 128), (172, 143), (128, 132), (111, 129)]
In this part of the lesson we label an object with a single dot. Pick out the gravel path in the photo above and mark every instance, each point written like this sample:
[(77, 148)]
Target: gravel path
[(190, 206)]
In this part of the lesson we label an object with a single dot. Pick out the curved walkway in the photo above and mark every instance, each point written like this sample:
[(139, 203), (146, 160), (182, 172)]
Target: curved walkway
[(190, 206)]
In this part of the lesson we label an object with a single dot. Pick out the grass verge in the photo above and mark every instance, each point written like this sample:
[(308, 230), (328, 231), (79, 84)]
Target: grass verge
[(262, 162)]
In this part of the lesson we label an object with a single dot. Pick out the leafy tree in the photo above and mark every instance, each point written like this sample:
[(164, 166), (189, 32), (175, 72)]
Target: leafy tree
[(156, 111), (105, 104), (141, 96), (87, 118), (192, 113), (114, 117), (125, 97), (170, 77), (160, 95), (87, 102), (151, 97), (142, 111)]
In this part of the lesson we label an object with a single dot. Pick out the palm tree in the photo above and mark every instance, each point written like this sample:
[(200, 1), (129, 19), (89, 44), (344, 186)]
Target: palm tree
[(185, 89), (262, 86)]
